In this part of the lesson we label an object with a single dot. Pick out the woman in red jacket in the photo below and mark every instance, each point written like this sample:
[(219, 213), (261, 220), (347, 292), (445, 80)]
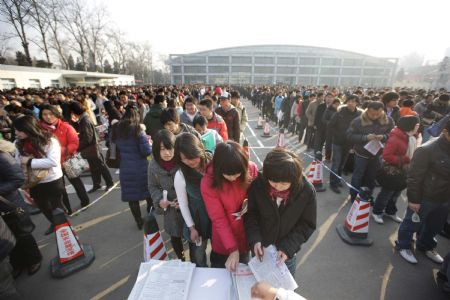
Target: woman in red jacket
[(51, 120), (397, 153), (224, 190)]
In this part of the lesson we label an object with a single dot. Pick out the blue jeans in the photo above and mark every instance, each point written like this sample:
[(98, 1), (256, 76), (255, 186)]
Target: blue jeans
[(338, 158), (198, 254), (432, 219), (291, 263), (364, 173), (386, 202)]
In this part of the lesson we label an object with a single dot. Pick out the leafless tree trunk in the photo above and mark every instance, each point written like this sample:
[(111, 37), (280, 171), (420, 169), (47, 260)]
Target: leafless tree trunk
[(41, 22), (16, 13), (54, 22)]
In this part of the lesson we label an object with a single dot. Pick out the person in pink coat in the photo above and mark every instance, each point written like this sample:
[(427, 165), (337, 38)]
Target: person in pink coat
[(224, 190)]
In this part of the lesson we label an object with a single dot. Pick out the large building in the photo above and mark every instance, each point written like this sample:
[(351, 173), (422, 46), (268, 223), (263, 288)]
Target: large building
[(282, 64), (30, 77)]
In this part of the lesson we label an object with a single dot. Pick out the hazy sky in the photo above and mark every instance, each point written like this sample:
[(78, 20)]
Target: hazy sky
[(387, 28)]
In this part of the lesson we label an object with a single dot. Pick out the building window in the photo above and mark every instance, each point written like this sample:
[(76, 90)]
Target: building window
[(307, 80), (306, 70), (331, 61), (218, 79), (264, 60), (240, 79), (352, 62), (176, 69), (264, 80), (8, 83), (218, 60), (194, 69), (329, 71), (308, 61), (55, 83), (194, 79), (241, 59), (264, 70), (218, 69), (351, 71), (194, 59), (328, 80), (35, 83), (286, 79), (373, 72), (287, 61), (349, 81), (241, 69), (286, 70), (177, 79)]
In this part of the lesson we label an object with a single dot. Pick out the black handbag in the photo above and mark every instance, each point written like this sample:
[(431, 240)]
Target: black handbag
[(392, 177), (17, 219)]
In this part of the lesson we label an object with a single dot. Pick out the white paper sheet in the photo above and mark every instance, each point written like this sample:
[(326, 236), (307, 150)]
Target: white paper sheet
[(243, 280), (374, 146), (211, 283), (277, 275)]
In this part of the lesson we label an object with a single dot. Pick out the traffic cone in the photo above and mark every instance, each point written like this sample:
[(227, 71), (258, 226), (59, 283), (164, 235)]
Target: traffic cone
[(281, 141), (259, 125), (72, 255), (315, 176), (266, 132), (355, 229), (246, 149), (154, 247)]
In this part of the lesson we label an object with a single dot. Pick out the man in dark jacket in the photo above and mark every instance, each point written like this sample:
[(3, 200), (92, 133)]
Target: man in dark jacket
[(390, 101), (428, 191), (303, 120), (89, 147), (231, 117), (320, 127), (151, 120), (370, 129), (337, 128)]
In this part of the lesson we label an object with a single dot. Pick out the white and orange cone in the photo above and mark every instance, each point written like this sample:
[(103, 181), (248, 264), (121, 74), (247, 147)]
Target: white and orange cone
[(266, 132), (315, 176), (154, 247)]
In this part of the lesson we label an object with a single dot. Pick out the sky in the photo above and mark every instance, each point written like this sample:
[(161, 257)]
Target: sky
[(384, 28)]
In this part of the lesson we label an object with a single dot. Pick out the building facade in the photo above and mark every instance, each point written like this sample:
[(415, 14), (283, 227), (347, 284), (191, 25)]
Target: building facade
[(282, 64), (30, 77)]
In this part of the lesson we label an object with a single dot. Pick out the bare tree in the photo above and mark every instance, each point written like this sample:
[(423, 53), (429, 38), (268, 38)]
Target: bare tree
[(54, 24), (17, 14), (96, 23), (40, 17), (118, 47)]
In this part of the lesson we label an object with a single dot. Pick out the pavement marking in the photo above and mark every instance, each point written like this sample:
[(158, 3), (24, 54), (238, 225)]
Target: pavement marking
[(121, 254), (385, 282), (323, 230), (112, 288), (96, 200), (257, 140), (96, 221)]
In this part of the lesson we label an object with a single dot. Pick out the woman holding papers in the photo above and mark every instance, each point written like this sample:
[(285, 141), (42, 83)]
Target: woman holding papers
[(161, 173), (192, 159), (281, 208), (224, 189)]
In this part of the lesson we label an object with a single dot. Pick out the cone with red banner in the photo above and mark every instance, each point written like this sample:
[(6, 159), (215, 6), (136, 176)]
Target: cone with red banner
[(281, 143), (266, 132), (72, 255), (259, 125), (315, 176), (154, 247), (355, 229)]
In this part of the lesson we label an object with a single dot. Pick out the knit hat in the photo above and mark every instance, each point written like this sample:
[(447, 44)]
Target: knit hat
[(407, 123)]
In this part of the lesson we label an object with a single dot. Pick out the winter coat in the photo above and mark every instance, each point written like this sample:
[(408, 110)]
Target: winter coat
[(339, 124), (11, 176), (394, 152), (361, 127), (310, 112), (7, 240), (429, 173), (321, 108), (152, 120), (219, 125), (89, 145), (158, 180), (288, 227), (395, 114), (243, 118), (228, 233), (133, 167), (407, 111), (231, 118), (184, 118), (67, 138)]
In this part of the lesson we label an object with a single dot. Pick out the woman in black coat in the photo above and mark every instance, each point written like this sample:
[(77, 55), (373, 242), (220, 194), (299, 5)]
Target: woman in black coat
[(26, 254), (281, 208)]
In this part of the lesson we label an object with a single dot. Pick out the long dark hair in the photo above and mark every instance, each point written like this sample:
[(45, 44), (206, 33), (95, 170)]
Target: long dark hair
[(163, 137), (38, 137), (191, 147), (129, 125), (229, 159)]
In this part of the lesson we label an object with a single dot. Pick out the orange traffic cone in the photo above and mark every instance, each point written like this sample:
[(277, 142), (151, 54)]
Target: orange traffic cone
[(72, 256), (154, 247), (266, 132), (355, 230), (281, 141), (315, 176), (259, 125)]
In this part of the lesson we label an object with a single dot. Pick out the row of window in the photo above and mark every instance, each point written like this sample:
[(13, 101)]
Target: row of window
[(270, 60), (304, 80), (10, 83), (280, 70)]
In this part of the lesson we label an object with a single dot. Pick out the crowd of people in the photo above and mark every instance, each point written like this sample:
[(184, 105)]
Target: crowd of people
[(179, 149)]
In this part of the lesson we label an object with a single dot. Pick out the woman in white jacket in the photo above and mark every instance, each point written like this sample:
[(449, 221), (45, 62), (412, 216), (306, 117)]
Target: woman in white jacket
[(37, 149)]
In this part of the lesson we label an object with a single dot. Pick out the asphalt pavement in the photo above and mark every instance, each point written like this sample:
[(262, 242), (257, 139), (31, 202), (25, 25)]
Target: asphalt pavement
[(327, 268)]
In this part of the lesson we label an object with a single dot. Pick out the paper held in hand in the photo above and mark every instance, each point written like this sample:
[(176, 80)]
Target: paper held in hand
[(271, 271), (374, 146)]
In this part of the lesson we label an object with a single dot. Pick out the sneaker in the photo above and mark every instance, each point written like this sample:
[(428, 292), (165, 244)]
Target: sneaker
[(434, 256), (408, 255), (395, 218), (378, 218)]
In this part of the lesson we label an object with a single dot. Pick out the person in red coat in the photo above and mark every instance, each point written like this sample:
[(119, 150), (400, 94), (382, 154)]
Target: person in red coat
[(224, 190), (51, 120), (397, 153), (215, 121)]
